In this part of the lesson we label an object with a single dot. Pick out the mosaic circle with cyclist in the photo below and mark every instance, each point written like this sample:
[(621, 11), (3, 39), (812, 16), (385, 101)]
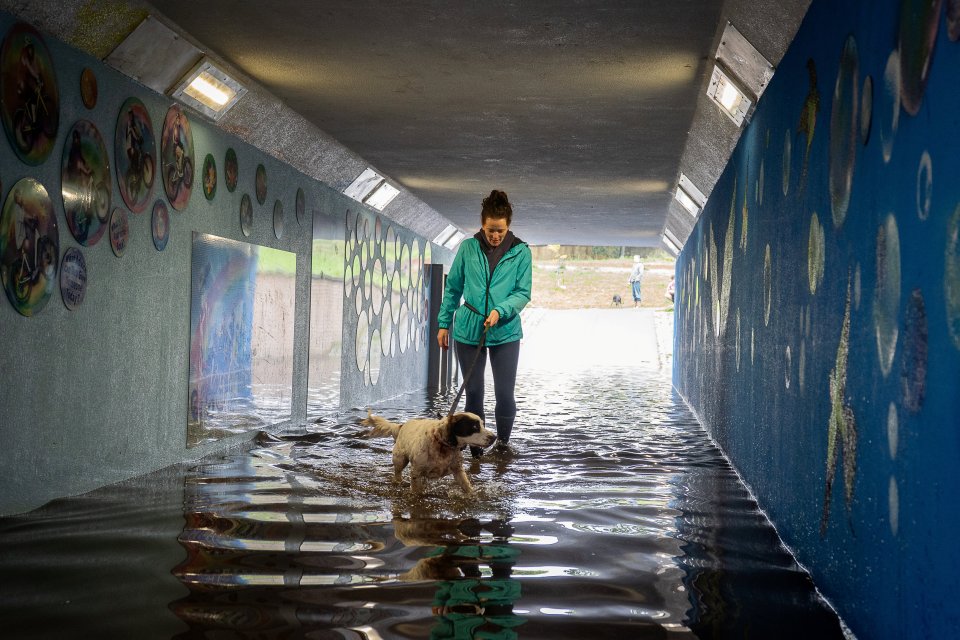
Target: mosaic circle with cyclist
[(135, 155), (29, 247), (176, 150), (85, 183), (29, 98)]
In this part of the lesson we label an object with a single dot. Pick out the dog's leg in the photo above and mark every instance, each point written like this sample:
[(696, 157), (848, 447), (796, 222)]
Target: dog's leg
[(400, 463), (461, 477), (417, 483)]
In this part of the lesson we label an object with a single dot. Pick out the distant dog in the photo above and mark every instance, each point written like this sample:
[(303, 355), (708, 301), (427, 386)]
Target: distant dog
[(431, 446), (617, 300)]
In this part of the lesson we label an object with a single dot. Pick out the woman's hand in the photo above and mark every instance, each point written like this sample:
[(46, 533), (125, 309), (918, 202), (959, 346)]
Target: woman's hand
[(492, 319), (443, 338)]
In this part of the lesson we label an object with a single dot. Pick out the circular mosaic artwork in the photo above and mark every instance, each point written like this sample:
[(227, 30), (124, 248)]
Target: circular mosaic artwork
[(119, 231), (135, 155), (88, 88), (177, 153), (886, 298), (73, 278), (866, 109), (29, 98), (951, 276), (209, 174), (843, 132), (889, 107), (160, 225), (231, 170), (246, 215), (29, 247), (919, 20), (85, 183)]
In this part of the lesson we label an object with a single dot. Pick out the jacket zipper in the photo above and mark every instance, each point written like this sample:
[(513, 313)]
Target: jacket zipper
[(486, 263)]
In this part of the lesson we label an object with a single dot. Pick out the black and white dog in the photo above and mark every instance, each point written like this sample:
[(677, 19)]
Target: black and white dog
[(431, 446), (617, 300)]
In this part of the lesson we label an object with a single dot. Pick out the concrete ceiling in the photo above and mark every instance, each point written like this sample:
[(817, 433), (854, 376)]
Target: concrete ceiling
[(584, 111)]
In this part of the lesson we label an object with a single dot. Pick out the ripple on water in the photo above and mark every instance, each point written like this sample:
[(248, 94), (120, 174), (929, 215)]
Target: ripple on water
[(615, 517)]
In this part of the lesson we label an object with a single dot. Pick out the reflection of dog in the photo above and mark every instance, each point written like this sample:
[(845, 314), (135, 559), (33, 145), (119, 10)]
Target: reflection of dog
[(617, 300), (443, 536), (432, 446)]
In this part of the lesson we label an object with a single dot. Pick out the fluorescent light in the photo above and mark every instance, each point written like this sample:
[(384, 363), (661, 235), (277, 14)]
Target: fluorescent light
[(673, 238), (728, 95), (729, 98), (670, 244), (445, 235), (205, 86), (688, 195), (366, 182), (381, 196), (208, 89), (684, 199), (454, 240)]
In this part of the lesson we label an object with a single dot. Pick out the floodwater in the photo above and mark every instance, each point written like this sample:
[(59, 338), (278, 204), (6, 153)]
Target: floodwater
[(614, 517)]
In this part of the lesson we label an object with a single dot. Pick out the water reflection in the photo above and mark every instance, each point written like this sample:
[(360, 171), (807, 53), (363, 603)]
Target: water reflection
[(615, 517)]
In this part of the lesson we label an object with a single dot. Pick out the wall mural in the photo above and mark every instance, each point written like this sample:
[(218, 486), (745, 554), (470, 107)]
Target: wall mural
[(808, 339), (29, 98), (241, 337)]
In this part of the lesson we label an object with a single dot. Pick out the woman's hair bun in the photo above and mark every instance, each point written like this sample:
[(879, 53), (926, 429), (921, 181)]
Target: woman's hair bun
[(496, 205)]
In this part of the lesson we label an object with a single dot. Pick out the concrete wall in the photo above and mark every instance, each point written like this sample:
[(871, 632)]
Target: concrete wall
[(818, 315), (99, 394)]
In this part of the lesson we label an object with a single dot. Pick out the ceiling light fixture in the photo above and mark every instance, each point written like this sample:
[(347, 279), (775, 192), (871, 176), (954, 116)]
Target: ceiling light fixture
[(689, 196), (732, 100), (672, 239), (208, 89), (382, 195), (454, 240), (364, 184), (740, 76), (373, 189), (445, 235), (670, 244)]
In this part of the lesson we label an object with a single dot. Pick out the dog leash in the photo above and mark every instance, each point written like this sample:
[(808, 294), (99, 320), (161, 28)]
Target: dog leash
[(466, 377)]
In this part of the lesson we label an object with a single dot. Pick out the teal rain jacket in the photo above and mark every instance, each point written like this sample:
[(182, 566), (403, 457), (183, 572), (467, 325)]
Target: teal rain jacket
[(507, 290)]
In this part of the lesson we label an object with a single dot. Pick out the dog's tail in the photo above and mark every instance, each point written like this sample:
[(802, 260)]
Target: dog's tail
[(381, 426)]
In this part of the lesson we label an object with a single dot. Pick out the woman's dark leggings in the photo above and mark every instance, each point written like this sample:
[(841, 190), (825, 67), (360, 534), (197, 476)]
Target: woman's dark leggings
[(503, 362)]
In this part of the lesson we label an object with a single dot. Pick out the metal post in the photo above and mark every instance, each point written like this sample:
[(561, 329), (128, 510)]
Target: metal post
[(436, 359)]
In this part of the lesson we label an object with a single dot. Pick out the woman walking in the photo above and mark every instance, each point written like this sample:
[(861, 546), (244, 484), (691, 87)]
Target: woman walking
[(487, 288)]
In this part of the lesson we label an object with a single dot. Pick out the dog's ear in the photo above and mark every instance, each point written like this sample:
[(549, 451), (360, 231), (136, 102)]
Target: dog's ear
[(464, 424)]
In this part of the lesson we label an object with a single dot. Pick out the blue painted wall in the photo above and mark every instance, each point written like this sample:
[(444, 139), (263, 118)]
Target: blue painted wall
[(818, 315)]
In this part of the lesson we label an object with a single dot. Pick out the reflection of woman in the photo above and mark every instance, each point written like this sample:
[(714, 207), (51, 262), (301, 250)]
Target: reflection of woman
[(492, 274)]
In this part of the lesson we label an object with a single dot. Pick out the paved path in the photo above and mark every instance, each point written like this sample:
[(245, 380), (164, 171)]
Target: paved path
[(557, 339)]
